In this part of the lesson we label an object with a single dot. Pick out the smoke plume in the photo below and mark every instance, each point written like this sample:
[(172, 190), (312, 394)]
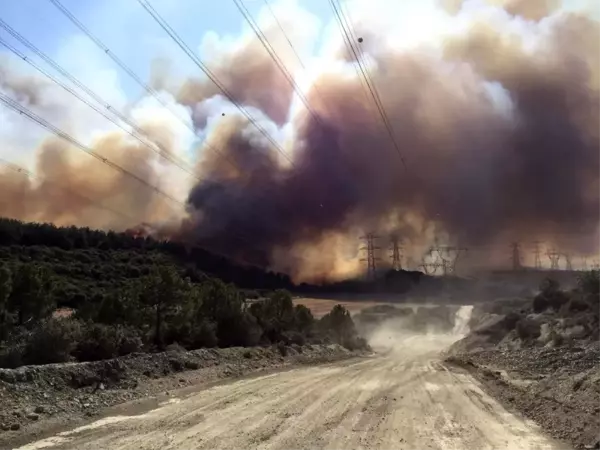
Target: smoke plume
[(497, 122)]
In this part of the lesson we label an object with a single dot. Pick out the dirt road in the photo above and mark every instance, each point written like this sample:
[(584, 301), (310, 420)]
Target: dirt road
[(404, 398)]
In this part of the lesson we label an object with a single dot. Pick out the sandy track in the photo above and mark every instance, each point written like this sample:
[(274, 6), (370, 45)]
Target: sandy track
[(403, 399)]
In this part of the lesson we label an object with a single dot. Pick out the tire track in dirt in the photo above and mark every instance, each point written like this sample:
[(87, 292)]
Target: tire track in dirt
[(404, 399)]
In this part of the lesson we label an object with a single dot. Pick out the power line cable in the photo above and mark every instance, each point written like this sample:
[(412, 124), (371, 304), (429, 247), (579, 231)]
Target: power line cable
[(21, 170), (88, 103), (11, 104), (85, 101), (141, 134), (16, 107), (275, 57), (347, 35), (212, 77), (131, 73)]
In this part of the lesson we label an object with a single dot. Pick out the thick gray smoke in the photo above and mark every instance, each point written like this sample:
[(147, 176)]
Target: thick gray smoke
[(497, 123), (500, 138)]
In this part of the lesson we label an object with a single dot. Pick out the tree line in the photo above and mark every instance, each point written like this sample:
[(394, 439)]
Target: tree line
[(24, 235), (150, 313)]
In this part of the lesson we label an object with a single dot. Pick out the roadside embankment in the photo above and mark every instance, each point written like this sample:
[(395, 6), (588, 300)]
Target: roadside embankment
[(37, 399)]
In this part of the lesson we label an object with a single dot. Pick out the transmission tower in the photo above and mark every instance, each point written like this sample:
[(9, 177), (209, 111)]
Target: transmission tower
[(584, 263), (430, 268), (370, 258), (516, 256), (554, 257), (568, 262), (537, 253), (396, 252)]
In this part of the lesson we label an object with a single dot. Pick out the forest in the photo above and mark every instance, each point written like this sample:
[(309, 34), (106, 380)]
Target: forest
[(75, 294)]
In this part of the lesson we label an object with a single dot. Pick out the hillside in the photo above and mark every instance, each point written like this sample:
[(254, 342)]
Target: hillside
[(89, 263), (131, 294)]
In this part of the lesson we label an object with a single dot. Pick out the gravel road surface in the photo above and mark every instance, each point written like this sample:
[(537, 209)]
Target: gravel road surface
[(401, 398)]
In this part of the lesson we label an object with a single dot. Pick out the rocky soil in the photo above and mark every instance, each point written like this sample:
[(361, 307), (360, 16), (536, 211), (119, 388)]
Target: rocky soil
[(37, 400), (554, 382)]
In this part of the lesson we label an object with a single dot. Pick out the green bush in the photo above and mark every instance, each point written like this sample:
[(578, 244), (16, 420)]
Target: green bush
[(240, 329), (131, 342), (204, 334), (52, 341), (294, 337), (100, 341)]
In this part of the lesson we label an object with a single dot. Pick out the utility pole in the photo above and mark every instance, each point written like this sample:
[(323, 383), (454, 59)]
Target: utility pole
[(370, 258), (569, 263), (516, 256), (396, 252), (537, 252), (554, 257)]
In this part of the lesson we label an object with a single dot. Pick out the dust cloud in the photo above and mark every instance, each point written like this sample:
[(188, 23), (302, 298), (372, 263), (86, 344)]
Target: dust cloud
[(427, 327), (496, 117)]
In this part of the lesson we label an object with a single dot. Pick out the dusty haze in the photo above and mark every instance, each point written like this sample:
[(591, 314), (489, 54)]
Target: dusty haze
[(496, 116)]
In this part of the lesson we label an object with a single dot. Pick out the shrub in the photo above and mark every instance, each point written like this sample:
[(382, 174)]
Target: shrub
[(13, 352), (98, 341), (240, 329), (52, 341), (550, 296), (589, 282), (131, 342), (283, 350), (511, 319), (294, 337), (303, 319), (574, 305), (203, 334), (528, 329), (540, 303)]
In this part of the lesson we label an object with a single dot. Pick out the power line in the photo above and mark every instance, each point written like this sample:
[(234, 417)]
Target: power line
[(65, 136), (91, 105), (157, 148), (131, 73), (21, 170), (198, 62), (346, 28), (274, 56)]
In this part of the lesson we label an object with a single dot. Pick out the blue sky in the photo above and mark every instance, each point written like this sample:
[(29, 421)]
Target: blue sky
[(128, 30)]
